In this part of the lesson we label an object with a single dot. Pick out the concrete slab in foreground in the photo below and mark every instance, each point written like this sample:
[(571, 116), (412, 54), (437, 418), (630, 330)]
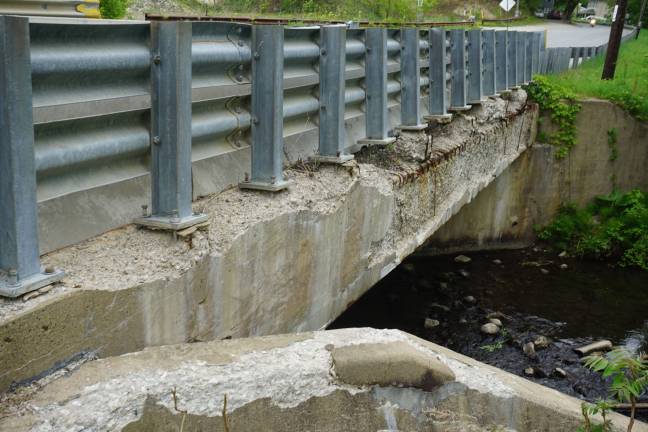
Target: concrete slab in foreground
[(302, 382)]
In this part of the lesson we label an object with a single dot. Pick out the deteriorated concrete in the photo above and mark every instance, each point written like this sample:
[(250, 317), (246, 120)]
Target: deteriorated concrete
[(267, 263), (290, 383), (530, 192)]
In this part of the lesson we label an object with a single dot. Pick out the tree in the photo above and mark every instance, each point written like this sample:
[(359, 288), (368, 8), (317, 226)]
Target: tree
[(614, 43)]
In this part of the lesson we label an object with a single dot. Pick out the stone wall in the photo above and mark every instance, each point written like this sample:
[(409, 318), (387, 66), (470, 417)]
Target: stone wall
[(532, 189)]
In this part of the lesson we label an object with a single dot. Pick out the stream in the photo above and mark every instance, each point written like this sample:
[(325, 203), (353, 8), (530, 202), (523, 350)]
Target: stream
[(557, 302)]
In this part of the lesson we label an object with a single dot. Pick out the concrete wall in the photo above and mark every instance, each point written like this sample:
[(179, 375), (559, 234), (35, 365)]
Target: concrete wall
[(267, 263), (533, 188)]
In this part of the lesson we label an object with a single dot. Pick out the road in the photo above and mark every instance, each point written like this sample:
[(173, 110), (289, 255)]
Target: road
[(571, 35)]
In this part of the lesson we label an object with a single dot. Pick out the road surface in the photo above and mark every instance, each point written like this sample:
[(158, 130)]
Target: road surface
[(571, 35)]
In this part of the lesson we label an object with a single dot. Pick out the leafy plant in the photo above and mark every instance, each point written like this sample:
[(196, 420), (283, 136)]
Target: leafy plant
[(629, 375), (562, 109), (113, 9), (613, 226), (602, 407)]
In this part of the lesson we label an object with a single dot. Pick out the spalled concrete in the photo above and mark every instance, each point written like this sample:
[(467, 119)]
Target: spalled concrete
[(386, 364), (286, 383), (268, 263), (530, 192)]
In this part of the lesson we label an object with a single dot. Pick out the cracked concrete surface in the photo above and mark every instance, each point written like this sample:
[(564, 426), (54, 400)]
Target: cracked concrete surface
[(285, 382), (268, 263)]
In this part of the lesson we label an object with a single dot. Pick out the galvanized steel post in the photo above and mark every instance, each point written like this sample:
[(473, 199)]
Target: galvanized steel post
[(521, 57), (376, 115), (535, 59), (410, 73), (332, 86), (20, 267), (475, 67), (488, 61), (171, 185), (501, 58), (512, 63), (438, 72), (528, 59), (458, 57), (267, 109)]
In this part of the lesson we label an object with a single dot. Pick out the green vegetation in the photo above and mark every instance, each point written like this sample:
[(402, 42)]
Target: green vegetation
[(379, 10), (562, 108), (113, 9), (613, 226), (629, 380), (629, 89)]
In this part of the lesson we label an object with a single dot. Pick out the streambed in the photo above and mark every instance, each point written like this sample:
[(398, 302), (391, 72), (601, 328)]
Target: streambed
[(540, 297)]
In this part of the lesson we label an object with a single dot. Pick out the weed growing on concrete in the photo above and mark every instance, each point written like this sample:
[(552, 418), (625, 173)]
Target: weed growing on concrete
[(613, 226), (602, 407), (562, 108)]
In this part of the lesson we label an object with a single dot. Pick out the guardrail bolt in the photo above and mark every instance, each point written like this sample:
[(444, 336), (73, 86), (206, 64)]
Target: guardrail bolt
[(145, 210), (156, 140), (157, 59), (257, 56)]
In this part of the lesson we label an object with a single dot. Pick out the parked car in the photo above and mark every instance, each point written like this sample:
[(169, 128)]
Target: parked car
[(555, 14)]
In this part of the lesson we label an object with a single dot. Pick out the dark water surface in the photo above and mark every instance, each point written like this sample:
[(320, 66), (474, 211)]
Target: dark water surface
[(530, 293)]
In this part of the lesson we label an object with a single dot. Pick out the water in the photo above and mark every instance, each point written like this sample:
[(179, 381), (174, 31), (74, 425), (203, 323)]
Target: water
[(533, 297)]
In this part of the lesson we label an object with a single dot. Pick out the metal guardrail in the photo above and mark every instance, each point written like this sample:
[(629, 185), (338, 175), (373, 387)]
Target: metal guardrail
[(90, 108), (51, 8)]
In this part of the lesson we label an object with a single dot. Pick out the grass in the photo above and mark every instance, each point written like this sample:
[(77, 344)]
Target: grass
[(629, 89)]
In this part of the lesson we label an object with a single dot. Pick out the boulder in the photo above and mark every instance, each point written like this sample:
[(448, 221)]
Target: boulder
[(463, 259), (529, 349), (489, 329), (496, 321), (430, 323), (542, 342)]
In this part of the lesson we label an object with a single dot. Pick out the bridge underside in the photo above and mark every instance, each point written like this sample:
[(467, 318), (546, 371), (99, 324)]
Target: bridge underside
[(265, 264)]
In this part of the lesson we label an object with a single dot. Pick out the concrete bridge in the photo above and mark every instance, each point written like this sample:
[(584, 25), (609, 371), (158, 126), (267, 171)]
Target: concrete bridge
[(254, 263)]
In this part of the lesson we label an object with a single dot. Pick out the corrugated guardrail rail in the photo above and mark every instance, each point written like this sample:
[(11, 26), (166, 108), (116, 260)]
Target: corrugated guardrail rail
[(96, 119)]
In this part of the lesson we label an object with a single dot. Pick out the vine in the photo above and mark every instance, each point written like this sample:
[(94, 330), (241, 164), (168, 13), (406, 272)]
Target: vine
[(562, 108)]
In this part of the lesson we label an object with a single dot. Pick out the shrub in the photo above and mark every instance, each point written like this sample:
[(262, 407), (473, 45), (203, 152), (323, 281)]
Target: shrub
[(614, 225), (113, 9)]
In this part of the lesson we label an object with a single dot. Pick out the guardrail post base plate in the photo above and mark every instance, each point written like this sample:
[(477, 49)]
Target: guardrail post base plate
[(343, 158), (375, 141), (170, 223), (264, 186), (9, 288), (439, 118), (412, 128), (460, 108)]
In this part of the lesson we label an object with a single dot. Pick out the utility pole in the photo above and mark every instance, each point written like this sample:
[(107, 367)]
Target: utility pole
[(641, 13), (616, 31)]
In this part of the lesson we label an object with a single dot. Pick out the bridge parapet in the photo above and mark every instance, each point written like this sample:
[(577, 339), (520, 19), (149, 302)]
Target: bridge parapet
[(109, 132)]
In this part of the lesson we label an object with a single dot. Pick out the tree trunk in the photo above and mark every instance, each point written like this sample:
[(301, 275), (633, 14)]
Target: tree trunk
[(569, 9), (615, 41), (640, 23), (632, 415)]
